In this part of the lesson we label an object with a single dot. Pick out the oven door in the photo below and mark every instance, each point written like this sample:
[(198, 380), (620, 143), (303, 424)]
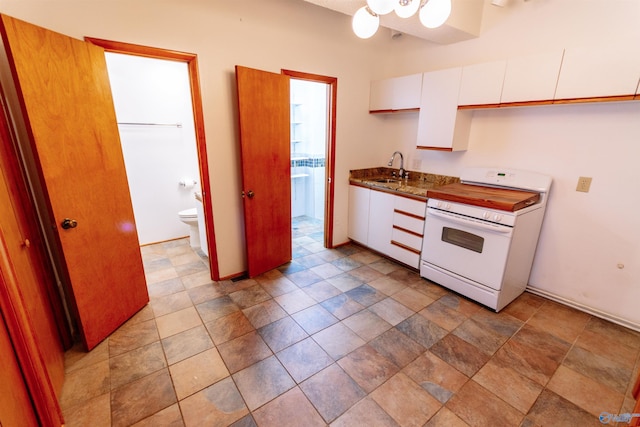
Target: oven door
[(472, 248)]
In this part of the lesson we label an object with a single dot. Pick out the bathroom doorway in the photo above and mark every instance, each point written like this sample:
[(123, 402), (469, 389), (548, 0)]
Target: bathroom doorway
[(313, 103), (158, 106)]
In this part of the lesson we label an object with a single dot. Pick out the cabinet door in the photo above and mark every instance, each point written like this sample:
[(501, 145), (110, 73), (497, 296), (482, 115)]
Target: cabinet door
[(358, 223), (440, 125), (398, 93), (597, 72), (481, 84), (380, 221), (532, 77)]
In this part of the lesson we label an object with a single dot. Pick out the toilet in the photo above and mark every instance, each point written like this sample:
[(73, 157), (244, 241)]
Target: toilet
[(190, 217)]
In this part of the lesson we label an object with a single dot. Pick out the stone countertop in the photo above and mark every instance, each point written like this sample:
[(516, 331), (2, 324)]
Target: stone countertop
[(415, 186)]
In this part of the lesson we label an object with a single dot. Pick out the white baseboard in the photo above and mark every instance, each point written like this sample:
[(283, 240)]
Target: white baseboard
[(586, 309)]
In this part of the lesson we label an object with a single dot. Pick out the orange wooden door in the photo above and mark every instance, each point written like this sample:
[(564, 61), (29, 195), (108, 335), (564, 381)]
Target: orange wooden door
[(64, 94), (263, 104), (15, 404), (19, 230)]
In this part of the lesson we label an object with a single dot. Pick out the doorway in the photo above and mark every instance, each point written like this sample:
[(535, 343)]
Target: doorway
[(313, 114), (198, 122)]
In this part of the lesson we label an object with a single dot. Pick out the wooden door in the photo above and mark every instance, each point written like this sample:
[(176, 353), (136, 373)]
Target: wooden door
[(62, 88), (25, 249), (263, 104)]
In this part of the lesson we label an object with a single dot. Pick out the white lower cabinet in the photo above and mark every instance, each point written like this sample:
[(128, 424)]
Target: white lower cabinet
[(394, 224)]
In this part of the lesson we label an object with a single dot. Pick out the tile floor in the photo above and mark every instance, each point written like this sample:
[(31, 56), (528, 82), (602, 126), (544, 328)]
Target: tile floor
[(346, 338)]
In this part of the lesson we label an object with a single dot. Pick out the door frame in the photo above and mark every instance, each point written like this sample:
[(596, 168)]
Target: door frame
[(191, 59), (330, 170)]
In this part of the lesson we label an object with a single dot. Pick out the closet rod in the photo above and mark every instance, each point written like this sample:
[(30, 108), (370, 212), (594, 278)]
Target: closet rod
[(178, 125)]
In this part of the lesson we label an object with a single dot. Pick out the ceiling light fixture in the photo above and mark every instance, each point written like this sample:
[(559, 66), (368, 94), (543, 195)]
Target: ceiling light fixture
[(433, 13)]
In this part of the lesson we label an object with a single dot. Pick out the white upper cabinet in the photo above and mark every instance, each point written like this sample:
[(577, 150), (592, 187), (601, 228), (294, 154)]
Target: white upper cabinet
[(398, 93), (532, 77), (440, 125), (594, 72), (481, 84)]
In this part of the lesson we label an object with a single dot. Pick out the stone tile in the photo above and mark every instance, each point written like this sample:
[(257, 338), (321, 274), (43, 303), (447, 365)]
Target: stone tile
[(460, 304), (321, 291), (397, 347), (168, 417), (77, 358), (599, 369), (304, 359), (586, 393), (262, 382), (216, 308), (500, 323), (153, 263), (346, 264), (421, 330), (163, 282), (619, 334), (329, 255), (139, 399), (525, 306), (295, 301), (391, 311), (367, 367), (170, 303), (443, 315), (365, 413), (384, 266), (95, 412), (278, 286), (344, 282), (291, 268), (246, 421), (135, 364), (430, 289), (338, 340), (291, 409), (282, 333), (446, 418), (189, 263), (405, 276), (244, 351), (314, 318), (231, 286), (437, 377), (131, 336), (530, 362), (264, 313), (326, 270), (229, 327), (85, 384), (342, 306), (365, 257), (608, 347), (194, 280), (361, 275), (412, 299), (250, 296), (197, 372), (205, 293), (179, 321), (365, 295), (218, 405), (478, 407), (405, 401), (564, 322), (543, 342), (186, 344), (332, 392), (458, 353), (552, 410), (310, 261), (387, 285), (515, 389), (367, 324), (304, 278), (480, 336)]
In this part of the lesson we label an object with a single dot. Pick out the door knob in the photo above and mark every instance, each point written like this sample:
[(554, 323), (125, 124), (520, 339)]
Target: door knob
[(250, 194), (68, 223)]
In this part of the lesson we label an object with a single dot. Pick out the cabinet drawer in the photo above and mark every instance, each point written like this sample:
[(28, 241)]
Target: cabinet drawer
[(405, 256), (411, 223), (414, 207), (410, 240)]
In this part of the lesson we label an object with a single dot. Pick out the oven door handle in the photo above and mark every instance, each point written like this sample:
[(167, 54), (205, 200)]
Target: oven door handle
[(473, 224)]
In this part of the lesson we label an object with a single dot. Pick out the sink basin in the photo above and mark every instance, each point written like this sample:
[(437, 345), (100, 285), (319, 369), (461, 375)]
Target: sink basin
[(388, 181)]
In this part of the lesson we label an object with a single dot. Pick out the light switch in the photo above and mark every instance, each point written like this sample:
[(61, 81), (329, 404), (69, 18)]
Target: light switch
[(584, 183)]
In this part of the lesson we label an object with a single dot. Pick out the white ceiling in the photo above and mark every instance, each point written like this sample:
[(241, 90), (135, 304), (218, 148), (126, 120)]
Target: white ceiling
[(463, 24)]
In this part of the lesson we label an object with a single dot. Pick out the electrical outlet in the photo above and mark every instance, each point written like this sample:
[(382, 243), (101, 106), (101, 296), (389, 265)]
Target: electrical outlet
[(584, 182)]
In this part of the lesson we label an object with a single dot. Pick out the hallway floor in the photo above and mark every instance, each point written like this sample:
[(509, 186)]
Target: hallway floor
[(347, 338)]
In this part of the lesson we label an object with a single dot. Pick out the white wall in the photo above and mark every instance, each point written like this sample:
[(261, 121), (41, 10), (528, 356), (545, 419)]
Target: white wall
[(566, 142), (157, 157)]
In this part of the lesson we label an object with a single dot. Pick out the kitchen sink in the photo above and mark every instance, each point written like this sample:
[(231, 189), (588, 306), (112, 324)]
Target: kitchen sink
[(388, 181)]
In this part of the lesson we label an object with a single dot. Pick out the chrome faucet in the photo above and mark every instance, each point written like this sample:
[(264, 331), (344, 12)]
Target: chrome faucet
[(393, 156)]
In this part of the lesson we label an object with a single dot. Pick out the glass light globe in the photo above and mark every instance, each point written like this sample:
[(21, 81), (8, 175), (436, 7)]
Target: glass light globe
[(382, 7), (435, 13), (407, 8), (365, 23)]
